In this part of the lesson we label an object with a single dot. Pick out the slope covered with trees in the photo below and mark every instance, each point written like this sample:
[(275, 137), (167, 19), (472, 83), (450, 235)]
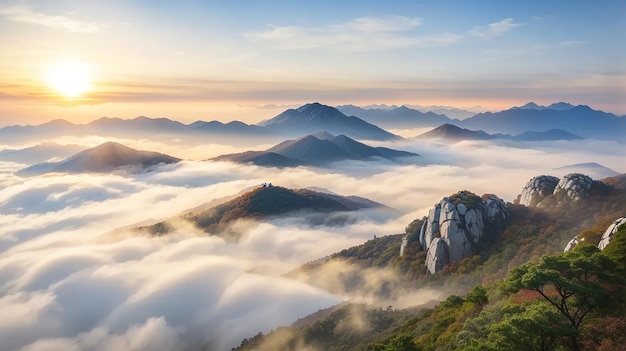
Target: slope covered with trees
[(520, 292)]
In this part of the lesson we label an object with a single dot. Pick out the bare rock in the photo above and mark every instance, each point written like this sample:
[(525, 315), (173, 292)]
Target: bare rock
[(456, 224), (537, 189), (608, 234), (575, 185), (572, 243)]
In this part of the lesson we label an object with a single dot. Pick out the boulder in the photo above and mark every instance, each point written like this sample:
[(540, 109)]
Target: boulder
[(537, 189), (575, 186), (456, 224), (608, 234)]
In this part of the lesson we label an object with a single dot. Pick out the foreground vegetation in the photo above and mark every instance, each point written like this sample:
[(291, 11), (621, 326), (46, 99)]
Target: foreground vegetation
[(519, 292)]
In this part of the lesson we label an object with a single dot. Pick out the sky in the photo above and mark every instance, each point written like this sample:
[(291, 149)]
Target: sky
[(250, 60)]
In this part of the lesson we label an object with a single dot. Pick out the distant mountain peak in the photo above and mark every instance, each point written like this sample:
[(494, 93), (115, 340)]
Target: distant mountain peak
[(102, 158), (313, 117), (558, 106)]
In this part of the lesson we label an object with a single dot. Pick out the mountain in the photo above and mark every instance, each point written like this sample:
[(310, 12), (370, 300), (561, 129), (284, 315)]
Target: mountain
[(401, 117), (559, 106), (552, 134), (264, 202), (314, 149), (21, 134), (580, 120), (592, 169), (39, 153), (103, 158), (454, 133), (233, 127), (314, 117), (139, 124), (142, 126), (493, 300)]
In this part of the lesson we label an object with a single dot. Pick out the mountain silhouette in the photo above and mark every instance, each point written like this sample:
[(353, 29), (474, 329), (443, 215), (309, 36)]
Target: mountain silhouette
[(398, 117), (102, 158), (580, 120), (314, 149), (314, 117)]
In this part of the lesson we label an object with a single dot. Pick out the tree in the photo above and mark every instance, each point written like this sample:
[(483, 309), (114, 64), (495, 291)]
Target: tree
[(575, 283), (533, 328), (400, 342), (477, 296)]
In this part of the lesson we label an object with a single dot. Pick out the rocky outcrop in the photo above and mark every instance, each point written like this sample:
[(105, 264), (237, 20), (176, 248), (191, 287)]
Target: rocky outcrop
[(608, 234), (572, 243), (456, 224), (604, 241), (575, 186), (537, 189)]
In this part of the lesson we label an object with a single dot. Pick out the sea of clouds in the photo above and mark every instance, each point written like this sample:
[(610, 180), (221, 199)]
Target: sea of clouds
[(67, 283)]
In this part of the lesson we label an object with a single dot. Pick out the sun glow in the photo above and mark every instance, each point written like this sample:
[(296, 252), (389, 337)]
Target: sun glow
[(70, 79)]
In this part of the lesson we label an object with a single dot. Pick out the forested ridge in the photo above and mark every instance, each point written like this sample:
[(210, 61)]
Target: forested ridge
[(519, 292)]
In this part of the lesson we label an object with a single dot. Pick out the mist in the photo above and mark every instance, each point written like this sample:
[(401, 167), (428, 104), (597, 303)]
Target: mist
[(66, 283)]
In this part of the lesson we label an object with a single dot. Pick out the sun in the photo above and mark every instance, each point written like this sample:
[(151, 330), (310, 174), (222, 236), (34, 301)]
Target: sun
[(70, 79)]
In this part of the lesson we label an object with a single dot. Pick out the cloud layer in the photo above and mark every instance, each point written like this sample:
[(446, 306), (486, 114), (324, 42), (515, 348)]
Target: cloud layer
[(68, 283)]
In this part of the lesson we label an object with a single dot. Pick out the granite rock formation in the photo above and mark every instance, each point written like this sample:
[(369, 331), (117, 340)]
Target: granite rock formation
[(537, 189), (608, 234), (456, 224), (575, 185)]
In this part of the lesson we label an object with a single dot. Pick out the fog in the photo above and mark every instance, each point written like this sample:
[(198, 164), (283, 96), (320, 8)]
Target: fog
[(67, 283)]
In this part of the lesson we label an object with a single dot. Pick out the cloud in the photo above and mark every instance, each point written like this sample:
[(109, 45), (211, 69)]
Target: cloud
[(495, 29), (21, 13), (361, 34), (68, 283)]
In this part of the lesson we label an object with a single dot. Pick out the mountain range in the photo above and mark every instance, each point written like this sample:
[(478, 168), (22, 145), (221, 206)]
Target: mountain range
[(454, 133), (580, 120), (314, 149), (401, 117), (102, 158), (354, 122)]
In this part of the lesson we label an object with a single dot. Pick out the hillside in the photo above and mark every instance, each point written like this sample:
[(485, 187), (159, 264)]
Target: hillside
[(490, 305), (315, 149), (102, 158), (263, 203), (315, 117)]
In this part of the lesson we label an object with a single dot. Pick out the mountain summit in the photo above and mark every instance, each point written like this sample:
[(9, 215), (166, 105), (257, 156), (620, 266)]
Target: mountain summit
[(102, 158), (314, 117), (314, 149)]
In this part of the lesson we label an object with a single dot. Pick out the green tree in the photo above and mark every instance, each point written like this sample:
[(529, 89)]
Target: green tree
[(574, 283), (537, 327), (400, 342), (477, 296)]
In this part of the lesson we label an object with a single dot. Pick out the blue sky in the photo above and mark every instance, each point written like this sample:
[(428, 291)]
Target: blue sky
[(210, 59)]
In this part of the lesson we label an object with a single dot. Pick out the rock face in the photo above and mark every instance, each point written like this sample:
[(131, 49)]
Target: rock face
[(575, 185), (572, 243), (537, 189), (608, 234), (456, 224)]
